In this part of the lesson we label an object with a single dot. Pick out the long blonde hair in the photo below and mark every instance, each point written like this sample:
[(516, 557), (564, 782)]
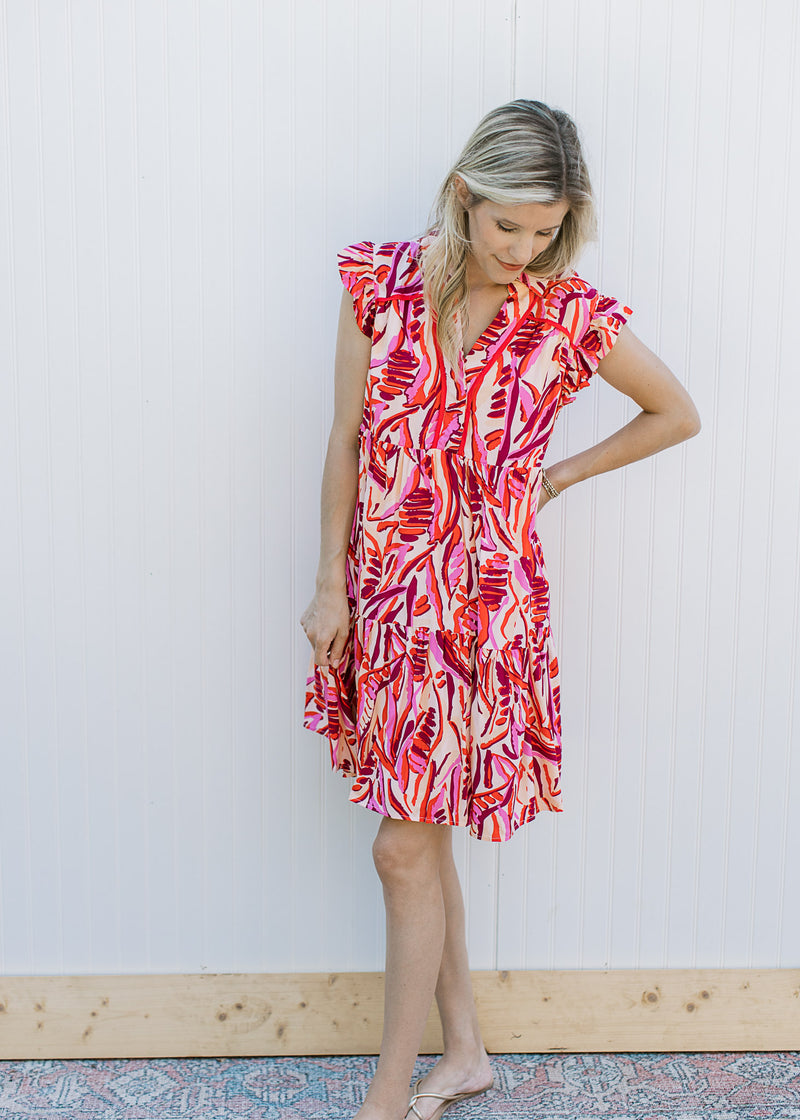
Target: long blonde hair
[(521, 152)]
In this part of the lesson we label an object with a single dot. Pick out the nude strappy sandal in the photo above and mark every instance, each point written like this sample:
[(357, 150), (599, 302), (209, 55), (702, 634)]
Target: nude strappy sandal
[(446, 1101)]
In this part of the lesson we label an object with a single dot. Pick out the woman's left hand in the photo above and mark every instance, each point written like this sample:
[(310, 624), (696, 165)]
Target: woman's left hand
[(556, 475)]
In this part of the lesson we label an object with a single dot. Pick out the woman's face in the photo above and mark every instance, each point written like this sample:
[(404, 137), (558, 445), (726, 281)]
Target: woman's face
[(507, 235)]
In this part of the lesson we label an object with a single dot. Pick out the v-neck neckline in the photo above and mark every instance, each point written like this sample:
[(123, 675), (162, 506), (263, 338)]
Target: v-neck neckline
[(500, 320), (487, 329)]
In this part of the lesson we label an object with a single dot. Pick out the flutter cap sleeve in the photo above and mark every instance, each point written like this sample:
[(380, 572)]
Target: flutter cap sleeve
[(596, 323), (357, 270)]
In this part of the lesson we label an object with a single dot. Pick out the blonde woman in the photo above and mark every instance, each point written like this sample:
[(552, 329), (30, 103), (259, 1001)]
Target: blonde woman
[(434, 674)]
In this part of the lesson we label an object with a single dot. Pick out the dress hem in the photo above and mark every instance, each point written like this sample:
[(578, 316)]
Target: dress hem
[(373, 807)]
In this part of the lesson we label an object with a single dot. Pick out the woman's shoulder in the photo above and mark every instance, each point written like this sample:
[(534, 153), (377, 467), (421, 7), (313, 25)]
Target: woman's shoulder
[(394, 265), (384, 250), (564, 288), (578, 308), (571, 299)]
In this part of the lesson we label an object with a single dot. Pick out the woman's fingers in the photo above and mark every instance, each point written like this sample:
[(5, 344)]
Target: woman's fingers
[(329, 647), (326, 624), (337, 649), (322, 647)]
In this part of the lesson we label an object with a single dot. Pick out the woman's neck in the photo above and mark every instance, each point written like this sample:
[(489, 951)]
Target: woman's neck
[(477, 280)]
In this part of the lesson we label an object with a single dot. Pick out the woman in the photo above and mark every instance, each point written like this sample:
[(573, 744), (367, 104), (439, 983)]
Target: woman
[(434, 675)]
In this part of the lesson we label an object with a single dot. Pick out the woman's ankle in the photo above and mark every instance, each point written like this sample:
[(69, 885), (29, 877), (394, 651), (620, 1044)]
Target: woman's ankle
[(464, 1051), (463, 1066)]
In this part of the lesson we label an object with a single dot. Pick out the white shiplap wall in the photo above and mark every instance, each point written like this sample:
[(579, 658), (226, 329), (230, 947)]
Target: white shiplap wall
[(176, 181)]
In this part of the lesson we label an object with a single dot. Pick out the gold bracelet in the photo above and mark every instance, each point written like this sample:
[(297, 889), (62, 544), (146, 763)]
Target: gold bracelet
[(549, 487)]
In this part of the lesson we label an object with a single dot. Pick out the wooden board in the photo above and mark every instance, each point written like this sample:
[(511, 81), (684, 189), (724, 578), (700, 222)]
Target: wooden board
[(229, 1015)]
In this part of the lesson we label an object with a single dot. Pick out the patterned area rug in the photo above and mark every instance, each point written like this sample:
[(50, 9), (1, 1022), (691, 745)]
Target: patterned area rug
[(719, 1086)]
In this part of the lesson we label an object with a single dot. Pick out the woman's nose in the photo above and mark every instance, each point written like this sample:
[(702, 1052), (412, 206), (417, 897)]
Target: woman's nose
[(522, 251)]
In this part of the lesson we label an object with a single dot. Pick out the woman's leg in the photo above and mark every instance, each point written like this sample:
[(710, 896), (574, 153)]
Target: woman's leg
[(454, 996), (407, 856), (464, 1065)]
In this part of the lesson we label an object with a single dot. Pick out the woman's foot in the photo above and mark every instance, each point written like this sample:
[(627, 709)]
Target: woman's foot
[(450, 1076)]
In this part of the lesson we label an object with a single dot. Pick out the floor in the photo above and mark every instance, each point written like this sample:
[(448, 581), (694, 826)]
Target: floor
[(639, 1086)]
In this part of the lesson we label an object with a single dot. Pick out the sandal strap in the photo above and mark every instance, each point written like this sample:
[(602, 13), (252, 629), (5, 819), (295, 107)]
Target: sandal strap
[(412, 1105), (442, 1097)]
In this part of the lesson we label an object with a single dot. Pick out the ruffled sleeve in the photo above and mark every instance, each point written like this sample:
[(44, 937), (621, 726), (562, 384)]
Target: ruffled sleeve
[(596, 321), (357, 269)]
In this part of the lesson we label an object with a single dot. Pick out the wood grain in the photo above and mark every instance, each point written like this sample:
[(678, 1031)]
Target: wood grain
[(241, 1015)]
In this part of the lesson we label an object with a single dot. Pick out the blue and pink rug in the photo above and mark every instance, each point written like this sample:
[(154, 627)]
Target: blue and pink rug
[(718, 1086)]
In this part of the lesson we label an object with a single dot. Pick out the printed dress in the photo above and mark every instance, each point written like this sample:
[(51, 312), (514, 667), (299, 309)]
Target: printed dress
[(445, 705)]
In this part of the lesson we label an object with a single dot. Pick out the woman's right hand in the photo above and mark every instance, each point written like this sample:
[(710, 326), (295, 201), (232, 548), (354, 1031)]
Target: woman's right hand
[(326, 623)]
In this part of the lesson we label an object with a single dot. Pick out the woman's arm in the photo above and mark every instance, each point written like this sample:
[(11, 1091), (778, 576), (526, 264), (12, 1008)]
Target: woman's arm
[(668, 414), (326, 619)]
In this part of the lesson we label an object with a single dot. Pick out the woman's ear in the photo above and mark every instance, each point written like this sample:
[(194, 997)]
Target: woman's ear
[(460, 188)]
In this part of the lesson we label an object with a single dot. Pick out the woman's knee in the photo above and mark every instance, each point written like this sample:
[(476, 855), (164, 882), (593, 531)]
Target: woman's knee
[(407, 850)]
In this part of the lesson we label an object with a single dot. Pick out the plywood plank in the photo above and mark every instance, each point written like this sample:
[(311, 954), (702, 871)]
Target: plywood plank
[(240, 1015)]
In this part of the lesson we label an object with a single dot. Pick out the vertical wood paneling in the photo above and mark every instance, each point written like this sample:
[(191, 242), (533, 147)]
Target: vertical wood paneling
[(15, 858), (308, 925), (283, 567), (97, 471), (247, 187), (677, 284), (781, 716), (38, 640), (768, 323), (15, 878), (152, 236), (177, 181), (187, 369)]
